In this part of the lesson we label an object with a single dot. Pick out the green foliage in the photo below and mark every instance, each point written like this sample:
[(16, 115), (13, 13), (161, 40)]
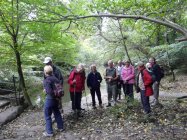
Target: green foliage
[(36, 40)]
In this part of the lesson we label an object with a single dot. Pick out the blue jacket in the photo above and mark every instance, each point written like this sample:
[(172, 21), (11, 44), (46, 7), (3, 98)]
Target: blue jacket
[(48, 84), (94, 80)]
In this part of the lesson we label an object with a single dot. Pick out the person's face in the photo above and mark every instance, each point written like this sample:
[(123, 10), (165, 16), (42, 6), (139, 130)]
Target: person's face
[(127, 64), (140, 68), (110, 65), (120, 63), (93, 68), (49, 63), (151, 60)]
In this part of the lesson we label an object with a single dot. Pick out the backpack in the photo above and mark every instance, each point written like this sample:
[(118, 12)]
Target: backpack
[(152, 76), (162, 73), (137, 88), (58, 90)]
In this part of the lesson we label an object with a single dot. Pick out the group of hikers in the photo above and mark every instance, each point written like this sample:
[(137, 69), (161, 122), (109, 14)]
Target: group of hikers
[(123, 75)]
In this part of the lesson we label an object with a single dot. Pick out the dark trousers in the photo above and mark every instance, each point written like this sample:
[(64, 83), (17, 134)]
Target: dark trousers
[(51, 106), (98, 93), (128, 91), (76, 100), (145, 102), (119, 85)]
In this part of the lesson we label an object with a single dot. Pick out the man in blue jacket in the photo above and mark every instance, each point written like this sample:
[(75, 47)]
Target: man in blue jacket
[(93, 82)]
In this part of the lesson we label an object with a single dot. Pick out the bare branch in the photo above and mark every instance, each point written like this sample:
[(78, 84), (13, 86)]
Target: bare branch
[(124, 43), (67, 27), (164, 22), (23, 39), (107, 39)]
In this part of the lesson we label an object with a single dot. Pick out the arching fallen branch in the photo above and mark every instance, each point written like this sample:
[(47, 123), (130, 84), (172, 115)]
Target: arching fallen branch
[(164, 22)]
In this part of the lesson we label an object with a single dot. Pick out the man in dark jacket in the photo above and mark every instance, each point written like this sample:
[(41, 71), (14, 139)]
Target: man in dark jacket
[(157, 72), (57, 73), (93, 82)]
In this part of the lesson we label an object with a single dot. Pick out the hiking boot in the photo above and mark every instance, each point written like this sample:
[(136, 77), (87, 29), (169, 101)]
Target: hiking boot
[(62, 111), (79, 114), (119, 97), (60, 130), (94, 107), (101, 106), (109, 105), (154, 102), (47, 135)]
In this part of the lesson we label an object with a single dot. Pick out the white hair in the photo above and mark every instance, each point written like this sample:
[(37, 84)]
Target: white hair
[(48, 70)]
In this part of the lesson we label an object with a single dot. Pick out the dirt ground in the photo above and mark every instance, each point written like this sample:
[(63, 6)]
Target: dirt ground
[(168, 121)]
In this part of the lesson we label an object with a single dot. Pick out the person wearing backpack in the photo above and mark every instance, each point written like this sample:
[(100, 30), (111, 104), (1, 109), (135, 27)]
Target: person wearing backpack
[(145, 82), (57, 73), (158, 76), (76, 83), (111, 77), (93, 82), (51, 104), (128, 77)]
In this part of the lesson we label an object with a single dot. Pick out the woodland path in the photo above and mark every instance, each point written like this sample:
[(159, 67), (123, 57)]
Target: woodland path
[(30, 125)]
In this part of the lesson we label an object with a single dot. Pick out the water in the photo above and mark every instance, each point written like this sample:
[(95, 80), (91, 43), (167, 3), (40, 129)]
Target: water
[(38, 99)]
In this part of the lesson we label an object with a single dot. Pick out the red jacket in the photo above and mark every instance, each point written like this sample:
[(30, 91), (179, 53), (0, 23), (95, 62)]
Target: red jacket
[(147, 79), (79, 85)]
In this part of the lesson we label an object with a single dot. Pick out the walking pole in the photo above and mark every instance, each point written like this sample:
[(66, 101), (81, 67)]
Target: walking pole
[(76, 113)]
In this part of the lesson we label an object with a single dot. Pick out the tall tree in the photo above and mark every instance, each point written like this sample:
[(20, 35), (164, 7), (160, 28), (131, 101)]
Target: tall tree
[(11, 20)]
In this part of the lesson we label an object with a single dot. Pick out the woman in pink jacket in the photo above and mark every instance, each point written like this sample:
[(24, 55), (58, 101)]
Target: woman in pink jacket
[(127, 75)]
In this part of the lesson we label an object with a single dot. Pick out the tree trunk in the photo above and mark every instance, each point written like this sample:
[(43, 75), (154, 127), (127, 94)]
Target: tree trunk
[(21, 78), (20, 72), (158, 38), (124, 44)]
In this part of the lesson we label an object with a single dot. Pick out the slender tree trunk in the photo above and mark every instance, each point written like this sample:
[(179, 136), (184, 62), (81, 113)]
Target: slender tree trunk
[(21, 78), (169, 64), (124, 44), (20, 72), (158, 38)]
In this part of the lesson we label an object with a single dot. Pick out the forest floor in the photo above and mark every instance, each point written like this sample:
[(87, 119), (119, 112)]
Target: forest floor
[(168, 121)]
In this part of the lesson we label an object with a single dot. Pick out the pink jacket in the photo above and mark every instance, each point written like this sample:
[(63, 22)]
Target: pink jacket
[(127, 74)]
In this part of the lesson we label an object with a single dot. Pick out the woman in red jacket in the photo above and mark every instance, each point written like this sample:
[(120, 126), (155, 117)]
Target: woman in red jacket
[(76, 81), (145, 83)]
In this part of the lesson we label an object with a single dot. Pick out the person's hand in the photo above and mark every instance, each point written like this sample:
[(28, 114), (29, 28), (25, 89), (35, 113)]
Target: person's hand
[(44, 90), (124, 81), (74, 81)]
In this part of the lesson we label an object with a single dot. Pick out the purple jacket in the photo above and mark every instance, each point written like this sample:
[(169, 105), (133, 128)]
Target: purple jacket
[(127, 74), (48, 84)]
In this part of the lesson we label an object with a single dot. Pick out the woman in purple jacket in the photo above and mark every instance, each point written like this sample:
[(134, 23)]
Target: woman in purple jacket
[(127, 75), (51, 103)]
